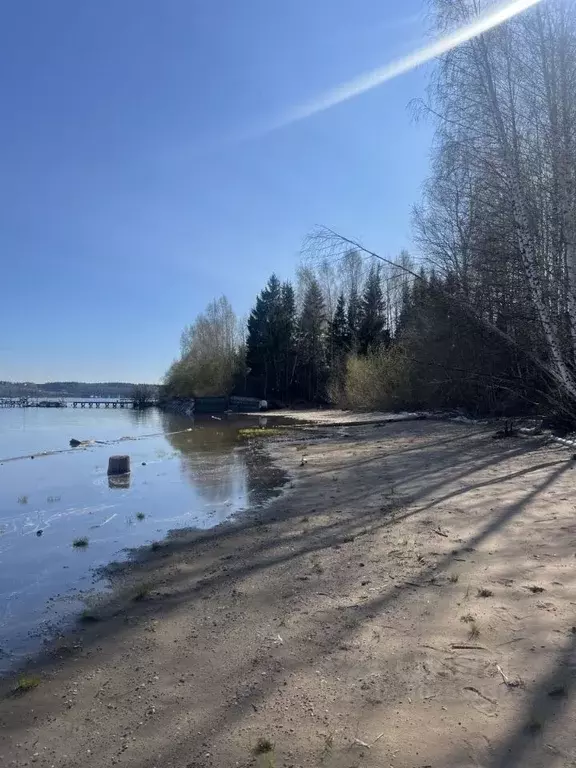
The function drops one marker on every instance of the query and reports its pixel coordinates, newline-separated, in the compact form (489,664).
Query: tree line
(297,338)
(485,318)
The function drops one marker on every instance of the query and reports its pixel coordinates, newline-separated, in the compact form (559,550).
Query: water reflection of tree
(143,417)
(264,479)
(209,456)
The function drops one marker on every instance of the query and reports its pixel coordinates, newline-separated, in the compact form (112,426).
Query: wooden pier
(28,402)
(102,403)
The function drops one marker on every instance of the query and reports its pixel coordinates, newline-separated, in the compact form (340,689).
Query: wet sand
(336,417)
(408,601)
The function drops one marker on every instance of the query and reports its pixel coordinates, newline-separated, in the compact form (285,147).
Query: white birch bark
(507,100)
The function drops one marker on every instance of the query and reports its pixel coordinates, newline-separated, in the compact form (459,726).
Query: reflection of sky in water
(192,478)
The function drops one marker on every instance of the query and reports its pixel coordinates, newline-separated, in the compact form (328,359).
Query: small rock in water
(39,532)
(143,463)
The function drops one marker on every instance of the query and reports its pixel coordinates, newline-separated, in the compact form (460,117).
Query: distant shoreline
(66,389)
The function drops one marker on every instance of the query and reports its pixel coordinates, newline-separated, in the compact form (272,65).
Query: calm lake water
(185,473)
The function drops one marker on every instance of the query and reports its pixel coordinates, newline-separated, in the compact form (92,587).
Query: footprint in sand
(480,702)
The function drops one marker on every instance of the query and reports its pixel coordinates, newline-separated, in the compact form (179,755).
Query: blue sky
(137,183)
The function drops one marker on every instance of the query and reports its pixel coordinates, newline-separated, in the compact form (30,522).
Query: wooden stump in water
(119,465)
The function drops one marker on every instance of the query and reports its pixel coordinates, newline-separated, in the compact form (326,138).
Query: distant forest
(483,317)
(66,389)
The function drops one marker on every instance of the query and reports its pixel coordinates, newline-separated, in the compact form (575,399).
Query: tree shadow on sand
(278,545)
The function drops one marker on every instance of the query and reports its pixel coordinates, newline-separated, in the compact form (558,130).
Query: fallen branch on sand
(361,743)
(369,746)
(479,693)
(466,647)
(506,679)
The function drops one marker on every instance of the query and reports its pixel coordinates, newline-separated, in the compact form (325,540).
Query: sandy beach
(408,601)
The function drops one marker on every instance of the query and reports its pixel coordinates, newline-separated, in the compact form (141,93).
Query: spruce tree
(372,333)
(339,334)
(287,335)
(311,344)
(263,338)
(353,319)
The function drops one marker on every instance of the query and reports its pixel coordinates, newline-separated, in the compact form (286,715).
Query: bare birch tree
(211,349)
(503,192)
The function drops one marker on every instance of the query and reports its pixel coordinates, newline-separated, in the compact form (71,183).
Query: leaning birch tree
(503,191)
